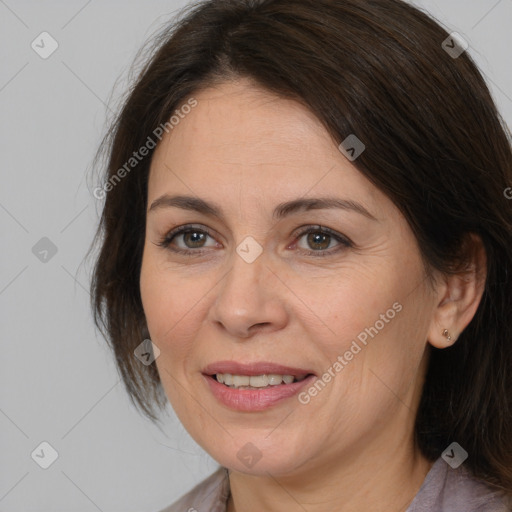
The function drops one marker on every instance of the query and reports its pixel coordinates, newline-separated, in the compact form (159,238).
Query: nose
(250,299)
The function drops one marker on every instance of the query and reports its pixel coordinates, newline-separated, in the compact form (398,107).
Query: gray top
(443,490)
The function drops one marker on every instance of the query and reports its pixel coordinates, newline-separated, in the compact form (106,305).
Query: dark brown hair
(435,145)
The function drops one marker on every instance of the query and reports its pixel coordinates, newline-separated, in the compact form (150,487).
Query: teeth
(241,380)
(274,380)
(255,381)
(259,381)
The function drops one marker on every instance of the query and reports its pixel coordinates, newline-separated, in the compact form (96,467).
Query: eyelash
(167,240)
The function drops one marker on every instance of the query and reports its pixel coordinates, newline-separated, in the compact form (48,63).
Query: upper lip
(259,368)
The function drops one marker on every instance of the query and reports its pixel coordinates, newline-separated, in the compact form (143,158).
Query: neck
(363,481)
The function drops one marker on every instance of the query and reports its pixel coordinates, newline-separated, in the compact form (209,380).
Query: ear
(459,296)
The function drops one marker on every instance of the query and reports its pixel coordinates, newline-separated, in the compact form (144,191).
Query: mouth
(263,381)
(254,387)
(254,375)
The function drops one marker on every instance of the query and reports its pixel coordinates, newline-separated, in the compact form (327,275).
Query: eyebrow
(281,210)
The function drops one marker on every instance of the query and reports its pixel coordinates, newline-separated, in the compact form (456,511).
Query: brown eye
(319,239)
(193,238)
(190,240)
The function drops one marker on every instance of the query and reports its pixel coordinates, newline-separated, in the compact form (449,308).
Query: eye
(320,238)
(191,236)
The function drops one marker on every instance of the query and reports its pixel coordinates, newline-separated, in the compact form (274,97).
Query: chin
(261,468)
(251,458)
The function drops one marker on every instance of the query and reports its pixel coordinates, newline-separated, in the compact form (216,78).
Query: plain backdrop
(58,382)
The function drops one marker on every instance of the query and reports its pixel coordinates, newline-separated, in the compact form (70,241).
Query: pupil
(195,235)
(315,238)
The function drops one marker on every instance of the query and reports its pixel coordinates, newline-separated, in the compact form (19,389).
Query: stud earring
(446,334)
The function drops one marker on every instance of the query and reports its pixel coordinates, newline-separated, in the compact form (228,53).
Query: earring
(446,334)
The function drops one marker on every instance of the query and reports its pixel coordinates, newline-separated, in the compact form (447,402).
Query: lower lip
(254,399)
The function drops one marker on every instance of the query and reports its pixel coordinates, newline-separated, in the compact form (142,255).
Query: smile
(254,387)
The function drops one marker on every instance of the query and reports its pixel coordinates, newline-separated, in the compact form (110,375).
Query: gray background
(58,382)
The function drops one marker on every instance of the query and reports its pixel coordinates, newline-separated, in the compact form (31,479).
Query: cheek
(168,309)
(156,299)
(168,298)
(342,306)
(175,304)
(377,322)
(383,374)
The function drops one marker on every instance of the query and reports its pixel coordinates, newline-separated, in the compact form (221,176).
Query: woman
(306,248)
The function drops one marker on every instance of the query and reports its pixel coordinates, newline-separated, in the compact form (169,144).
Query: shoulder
(209,495)
(456,490)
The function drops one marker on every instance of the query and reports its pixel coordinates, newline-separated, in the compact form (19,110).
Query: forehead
(241,136)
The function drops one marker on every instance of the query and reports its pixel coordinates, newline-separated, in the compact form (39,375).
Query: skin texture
(351,447)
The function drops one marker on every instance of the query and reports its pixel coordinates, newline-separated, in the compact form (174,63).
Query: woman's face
(347,304)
